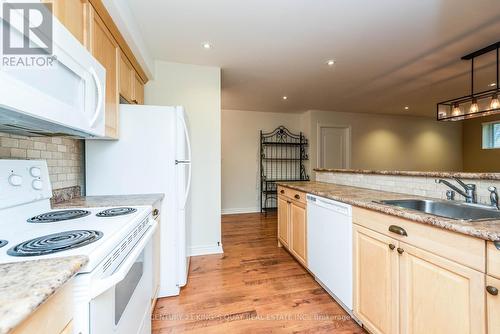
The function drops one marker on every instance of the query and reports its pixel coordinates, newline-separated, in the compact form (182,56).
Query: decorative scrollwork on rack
(282,158)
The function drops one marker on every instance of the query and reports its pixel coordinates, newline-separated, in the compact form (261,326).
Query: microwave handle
(107,283)
(99,97)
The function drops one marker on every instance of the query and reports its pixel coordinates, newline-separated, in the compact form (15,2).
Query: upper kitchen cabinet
(74,15)
(131,85)
(106,50)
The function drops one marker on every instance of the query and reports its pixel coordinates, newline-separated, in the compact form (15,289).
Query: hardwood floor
(255,287)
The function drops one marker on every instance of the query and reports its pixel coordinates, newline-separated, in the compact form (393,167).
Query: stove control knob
(37,184)
(35,172)
(15,180)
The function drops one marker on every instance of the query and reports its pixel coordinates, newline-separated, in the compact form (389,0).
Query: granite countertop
(462,175)
(118,200)
(362,197)
(24,286)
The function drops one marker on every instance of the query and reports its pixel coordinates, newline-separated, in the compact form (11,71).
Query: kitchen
(288,167)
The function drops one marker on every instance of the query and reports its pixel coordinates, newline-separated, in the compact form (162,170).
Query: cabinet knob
(400,251)
(391,246)
(492,290)
(282,191)
(398,230)
(297,196)
(156,212)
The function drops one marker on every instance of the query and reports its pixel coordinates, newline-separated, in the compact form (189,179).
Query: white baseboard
(205,250)
(233,211)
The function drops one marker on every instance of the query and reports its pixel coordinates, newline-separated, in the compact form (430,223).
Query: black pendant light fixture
(479,104)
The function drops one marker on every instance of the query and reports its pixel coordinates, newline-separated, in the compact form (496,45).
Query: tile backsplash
(411,185)
(64,156)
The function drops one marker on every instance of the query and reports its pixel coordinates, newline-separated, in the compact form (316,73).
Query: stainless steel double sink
(447,209)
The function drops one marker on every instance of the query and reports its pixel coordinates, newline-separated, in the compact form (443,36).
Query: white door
(334,146)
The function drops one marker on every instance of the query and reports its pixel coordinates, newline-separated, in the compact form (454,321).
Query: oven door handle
(107,283)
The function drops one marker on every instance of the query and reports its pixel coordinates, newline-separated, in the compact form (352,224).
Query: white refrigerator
(153,155)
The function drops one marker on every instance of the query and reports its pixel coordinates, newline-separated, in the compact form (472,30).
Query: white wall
(197,88)
(240,155)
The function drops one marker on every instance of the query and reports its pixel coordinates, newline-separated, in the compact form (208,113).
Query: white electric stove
(113,290)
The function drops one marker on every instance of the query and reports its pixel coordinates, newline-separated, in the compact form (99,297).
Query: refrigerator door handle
(186,134)
(182,162)
(188,187)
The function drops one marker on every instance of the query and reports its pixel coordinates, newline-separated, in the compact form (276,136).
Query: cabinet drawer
(292,194)
(463,249)
(493,259)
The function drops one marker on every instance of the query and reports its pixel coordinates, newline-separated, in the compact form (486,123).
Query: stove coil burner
(116,212)
(57,216)
(3,243)
(56,242)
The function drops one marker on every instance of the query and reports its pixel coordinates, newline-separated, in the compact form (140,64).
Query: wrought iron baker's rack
(282,158)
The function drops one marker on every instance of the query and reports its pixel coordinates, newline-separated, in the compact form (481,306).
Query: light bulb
(474,107)
(456,110)
(495,103)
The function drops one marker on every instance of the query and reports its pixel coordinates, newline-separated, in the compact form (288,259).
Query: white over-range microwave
(49,83)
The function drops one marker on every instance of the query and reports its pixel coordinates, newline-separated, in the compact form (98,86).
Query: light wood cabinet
(376,272)
(493,305)
(127,77)
(439,295)
(105,49)
(74,15)
(292,223)
(298,231)
(404,283)
(283,221)
(138,90)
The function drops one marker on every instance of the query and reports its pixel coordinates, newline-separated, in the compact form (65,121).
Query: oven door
(125,307)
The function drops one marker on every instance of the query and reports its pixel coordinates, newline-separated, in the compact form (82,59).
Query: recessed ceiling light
(493,84)
(206,45)
(406,107)
(285,97)
(330,62)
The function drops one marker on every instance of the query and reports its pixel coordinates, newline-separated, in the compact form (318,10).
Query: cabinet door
(105,49)
(283,221)
(127,77)
(298,231)
(138,90)
(376,264)
(493,305)
(438,295)
(74,15)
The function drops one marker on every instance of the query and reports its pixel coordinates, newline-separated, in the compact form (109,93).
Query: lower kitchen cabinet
(400,288)
(493,304)
(298,231)
(439,295)
(375,265)
(292,223)
(283,221)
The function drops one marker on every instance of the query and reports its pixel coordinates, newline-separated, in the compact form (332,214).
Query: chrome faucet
(469,191)
(494,197)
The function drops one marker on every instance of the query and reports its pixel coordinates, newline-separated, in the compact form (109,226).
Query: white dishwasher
(329,247)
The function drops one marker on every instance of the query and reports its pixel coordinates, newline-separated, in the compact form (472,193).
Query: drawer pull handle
(282,191)
(492,290)
(398,230)
(400,251)
(391,246)
(497,244)
(297,196)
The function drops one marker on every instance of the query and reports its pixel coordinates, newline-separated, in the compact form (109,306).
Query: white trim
(348,129)
(233,211)
(205,250)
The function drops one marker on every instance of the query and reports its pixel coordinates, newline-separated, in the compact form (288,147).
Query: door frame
(348,130)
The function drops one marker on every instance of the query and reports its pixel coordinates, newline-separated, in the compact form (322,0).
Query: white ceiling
(389,53)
